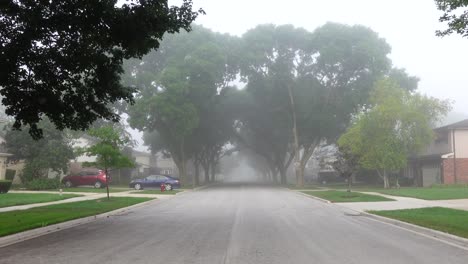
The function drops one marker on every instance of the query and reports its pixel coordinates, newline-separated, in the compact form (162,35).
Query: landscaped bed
(345,197)
(13,199)
(156,192)
(443,219)
(17,221)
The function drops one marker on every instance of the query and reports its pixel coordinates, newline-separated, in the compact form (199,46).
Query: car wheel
(98,185)
(168,187)
(138,187)
(68,184)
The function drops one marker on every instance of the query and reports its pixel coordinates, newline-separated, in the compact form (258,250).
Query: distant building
(445,161)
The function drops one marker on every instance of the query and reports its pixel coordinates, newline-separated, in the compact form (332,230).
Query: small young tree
(346,164)
(108,151)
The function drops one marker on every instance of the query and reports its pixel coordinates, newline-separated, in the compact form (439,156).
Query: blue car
(155,181)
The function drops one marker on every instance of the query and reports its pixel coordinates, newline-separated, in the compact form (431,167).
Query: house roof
(458,125)
(141,153)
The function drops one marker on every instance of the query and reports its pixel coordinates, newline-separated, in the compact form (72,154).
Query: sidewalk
(85,197)
(404,203)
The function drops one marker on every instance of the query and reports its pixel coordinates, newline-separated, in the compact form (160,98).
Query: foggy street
(234,223)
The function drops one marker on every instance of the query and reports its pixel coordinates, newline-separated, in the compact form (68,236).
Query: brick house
(445,161)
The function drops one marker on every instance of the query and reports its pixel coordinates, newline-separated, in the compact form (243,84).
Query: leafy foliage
(107,149)
(53,151)
(63,59)
(455,15)
(398,126)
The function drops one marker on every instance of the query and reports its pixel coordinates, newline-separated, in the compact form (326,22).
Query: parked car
(96,178)
(155,181)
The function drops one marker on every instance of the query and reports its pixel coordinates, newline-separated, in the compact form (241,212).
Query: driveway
(235,223)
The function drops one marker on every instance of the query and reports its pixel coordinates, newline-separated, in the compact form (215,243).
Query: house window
(442,138)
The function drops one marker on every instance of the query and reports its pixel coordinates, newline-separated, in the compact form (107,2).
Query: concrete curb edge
(443,237)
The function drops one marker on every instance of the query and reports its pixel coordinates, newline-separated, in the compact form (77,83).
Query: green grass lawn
(443,219)
(156,192)
(345,197)
(17,221)
(432,193)
(12,199)
(306,187)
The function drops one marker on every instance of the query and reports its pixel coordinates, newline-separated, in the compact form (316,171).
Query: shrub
(10,174)
(5,186)
(43,184)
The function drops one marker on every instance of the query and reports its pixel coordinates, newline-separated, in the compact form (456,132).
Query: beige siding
(461,144)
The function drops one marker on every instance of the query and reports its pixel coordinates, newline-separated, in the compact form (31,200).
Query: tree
(108,151)
(398,126)
(63,59)
(346,164)
(171,113)
(455,15)
(52,152)
(306,86)
(186,81)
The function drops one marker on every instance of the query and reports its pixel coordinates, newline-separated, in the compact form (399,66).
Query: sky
(408,26)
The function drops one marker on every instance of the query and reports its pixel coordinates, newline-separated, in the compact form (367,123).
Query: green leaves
(398,126)
(107,149)
(455,15)
(63,59)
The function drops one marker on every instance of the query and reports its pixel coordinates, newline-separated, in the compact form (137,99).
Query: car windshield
(216,131)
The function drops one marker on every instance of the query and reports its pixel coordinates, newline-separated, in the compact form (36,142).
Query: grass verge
(95,190)
(433,193)
(156,192)
(346,197)
(22,220)
(306,187)
(443,219)
(13,199)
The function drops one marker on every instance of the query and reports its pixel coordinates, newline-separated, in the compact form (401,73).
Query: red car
(96,178)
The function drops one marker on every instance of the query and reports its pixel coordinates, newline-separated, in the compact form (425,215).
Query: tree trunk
(107,183)
(213,172)
(386,182)
(350,181)
(297,158)
(274,175)
(183,171)
(196,177)
(206,171)
(283,176)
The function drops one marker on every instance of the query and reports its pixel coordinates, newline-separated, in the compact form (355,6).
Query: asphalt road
(234,224)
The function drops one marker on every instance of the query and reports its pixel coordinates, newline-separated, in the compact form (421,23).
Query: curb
(311,196)
(440,236)
(37,232)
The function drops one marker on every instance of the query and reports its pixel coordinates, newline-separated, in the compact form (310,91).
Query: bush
(5,186)
(10,174)
(43,184)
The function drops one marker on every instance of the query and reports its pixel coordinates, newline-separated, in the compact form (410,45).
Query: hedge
(5,186)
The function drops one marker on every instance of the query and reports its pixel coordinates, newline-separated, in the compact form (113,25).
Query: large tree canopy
(63,59)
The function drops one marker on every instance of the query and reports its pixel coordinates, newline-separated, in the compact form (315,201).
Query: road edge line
(37,232)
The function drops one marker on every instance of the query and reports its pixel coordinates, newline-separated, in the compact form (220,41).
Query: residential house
(166,165)
(445,161)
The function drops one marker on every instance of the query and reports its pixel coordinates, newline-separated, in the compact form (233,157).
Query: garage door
(430,175)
